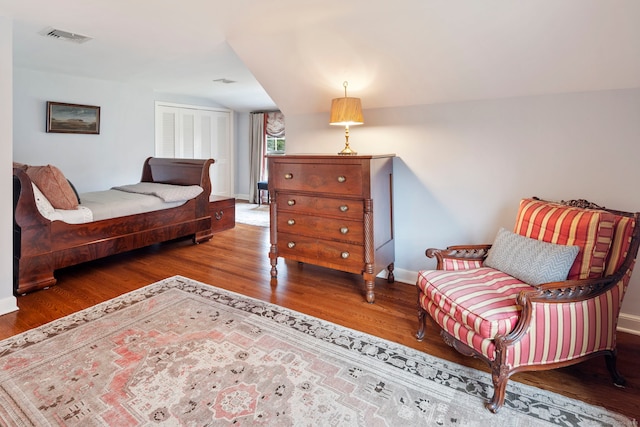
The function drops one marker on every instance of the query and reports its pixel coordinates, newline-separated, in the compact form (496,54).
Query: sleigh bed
(41,245)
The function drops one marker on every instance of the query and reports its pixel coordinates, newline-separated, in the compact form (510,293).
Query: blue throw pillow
(530,260)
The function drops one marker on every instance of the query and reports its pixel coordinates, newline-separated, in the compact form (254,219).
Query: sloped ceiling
(294,55)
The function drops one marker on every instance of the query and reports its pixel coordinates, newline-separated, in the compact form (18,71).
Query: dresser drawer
(342,208)
(348,256)
(324,228)
(342,254)
(343,179)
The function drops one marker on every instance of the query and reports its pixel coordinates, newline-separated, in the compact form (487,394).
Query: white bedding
(167,192)
(114,203)
(99,205)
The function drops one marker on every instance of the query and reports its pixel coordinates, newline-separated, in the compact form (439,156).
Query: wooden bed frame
(41,246)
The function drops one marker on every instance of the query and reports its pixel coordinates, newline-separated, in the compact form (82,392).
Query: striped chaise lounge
(545,296)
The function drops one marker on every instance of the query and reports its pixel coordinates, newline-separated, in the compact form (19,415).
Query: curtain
(262,124)
(257,150)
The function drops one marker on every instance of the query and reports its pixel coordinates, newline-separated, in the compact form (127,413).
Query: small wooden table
(223,213)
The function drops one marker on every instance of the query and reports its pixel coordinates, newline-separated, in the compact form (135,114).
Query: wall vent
(64,35)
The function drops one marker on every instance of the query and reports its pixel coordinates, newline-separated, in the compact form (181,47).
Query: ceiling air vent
(64,35)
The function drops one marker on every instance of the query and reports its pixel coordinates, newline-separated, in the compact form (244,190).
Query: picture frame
(72,118)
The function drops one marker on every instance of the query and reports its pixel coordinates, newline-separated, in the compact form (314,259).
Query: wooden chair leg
(422,320)
(611,359)
(500,378)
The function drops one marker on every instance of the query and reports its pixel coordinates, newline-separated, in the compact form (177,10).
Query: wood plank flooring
(237,260)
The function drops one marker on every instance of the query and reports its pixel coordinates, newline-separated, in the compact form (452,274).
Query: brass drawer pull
(291,202)
(219,215)
(344,208)
(291,222)
(291,245)
(344,255)
(344,230)
(288,176)
(341,179)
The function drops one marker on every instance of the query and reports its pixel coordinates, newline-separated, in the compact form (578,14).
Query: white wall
(91,162)
(7,300)
(461,168)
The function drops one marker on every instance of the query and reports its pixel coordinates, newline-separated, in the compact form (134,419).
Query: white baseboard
(242,196)
(628,323)
(8,304)
(400,275)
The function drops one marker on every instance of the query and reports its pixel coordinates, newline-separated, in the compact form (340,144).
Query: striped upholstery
(459,330)
(475,304)
(460,264)
(623,231)
(558,332)
(591,230)
(566,331)
(483,299)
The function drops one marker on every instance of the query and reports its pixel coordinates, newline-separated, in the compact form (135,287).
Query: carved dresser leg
(390,277)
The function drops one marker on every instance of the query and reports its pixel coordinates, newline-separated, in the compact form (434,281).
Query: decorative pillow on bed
(51,181)
(530,260)
(22,166)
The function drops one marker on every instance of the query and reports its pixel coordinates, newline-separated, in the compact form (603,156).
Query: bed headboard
(177,171)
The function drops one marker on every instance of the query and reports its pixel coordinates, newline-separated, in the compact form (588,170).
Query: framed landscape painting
(72,118)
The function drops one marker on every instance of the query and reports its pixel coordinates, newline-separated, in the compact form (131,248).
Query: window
(275,145)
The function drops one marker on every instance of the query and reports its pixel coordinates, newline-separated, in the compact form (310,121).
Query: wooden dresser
(333,211)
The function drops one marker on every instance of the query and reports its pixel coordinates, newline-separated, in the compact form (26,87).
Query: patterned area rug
(252,214)
(179,352)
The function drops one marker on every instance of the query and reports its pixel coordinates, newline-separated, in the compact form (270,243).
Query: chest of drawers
(333,211)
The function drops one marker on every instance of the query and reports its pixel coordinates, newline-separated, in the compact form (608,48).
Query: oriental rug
(183,353)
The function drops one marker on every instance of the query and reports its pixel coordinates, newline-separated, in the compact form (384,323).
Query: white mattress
(99,205)
(114,203)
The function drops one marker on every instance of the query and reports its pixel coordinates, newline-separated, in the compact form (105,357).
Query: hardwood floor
(237,260)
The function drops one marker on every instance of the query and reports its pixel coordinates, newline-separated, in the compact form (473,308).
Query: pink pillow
(55,187)
(19,165)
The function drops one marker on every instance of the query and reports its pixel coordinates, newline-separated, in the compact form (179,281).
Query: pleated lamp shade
(346,111)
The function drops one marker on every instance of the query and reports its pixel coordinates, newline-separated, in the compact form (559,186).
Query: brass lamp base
(347,151)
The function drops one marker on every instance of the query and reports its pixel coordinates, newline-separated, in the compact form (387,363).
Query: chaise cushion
(51,181)
(590,229)
(530,260)
(483,299)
